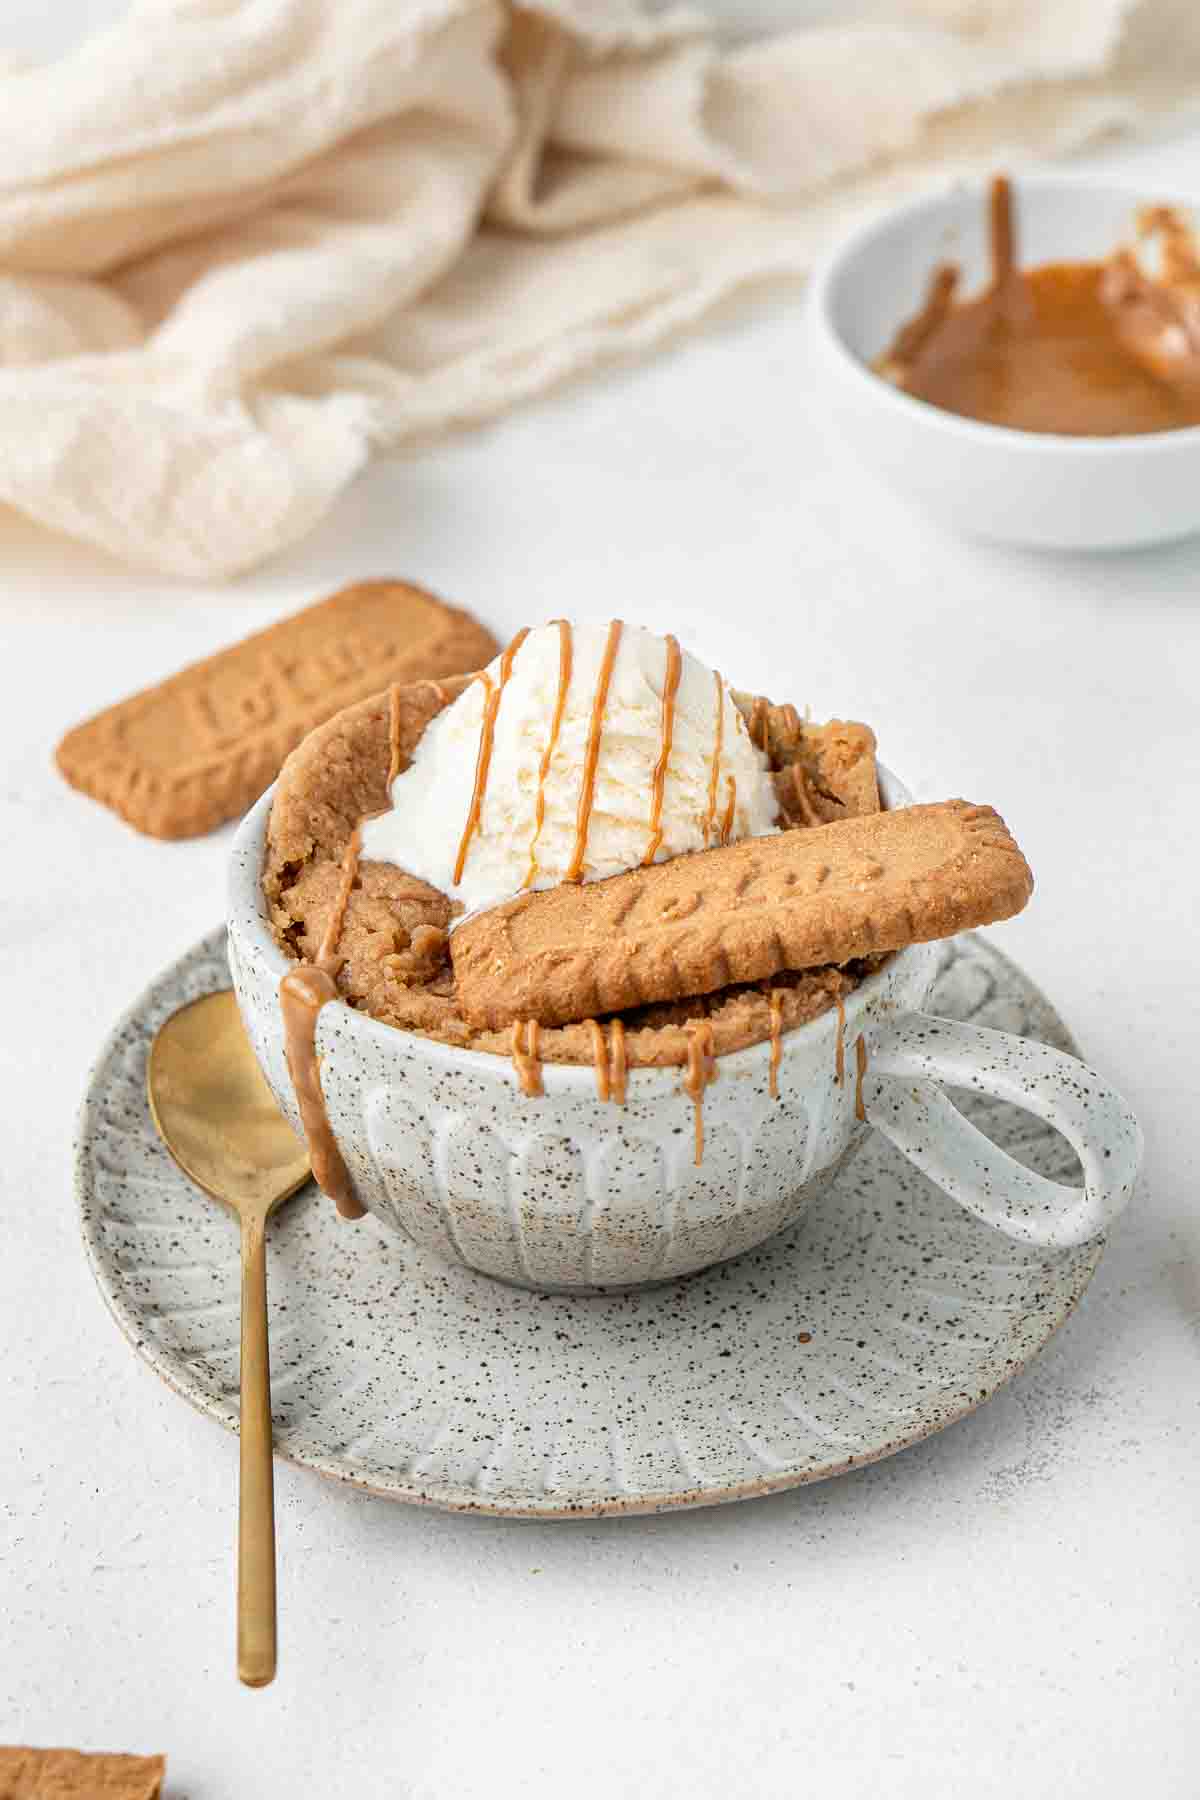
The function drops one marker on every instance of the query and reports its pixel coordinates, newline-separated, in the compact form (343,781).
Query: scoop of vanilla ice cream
(717,787)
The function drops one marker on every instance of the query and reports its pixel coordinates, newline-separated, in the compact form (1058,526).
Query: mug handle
(911,1055)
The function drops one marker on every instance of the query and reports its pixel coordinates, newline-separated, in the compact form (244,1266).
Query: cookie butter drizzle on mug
(526,1060)
(564,682)
(670,689)
(701,1070)
(302,994)
(617,1066)
(587,791)
(305,990)
(776,1004)
(839,1055)
(609,1060)
(494,692)
(860,1063)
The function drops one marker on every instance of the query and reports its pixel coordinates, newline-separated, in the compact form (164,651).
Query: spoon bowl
(215,1112)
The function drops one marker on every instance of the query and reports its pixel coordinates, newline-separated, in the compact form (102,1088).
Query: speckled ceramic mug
(566,1192)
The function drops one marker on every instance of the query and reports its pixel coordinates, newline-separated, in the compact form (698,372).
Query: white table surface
(1009,1608)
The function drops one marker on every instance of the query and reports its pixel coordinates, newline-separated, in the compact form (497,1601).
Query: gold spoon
(218,1118)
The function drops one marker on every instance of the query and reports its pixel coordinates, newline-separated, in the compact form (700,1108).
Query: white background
(1008,1609)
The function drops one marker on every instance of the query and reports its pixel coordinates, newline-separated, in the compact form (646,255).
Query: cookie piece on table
(78,1775)
(184,756)
(795,900)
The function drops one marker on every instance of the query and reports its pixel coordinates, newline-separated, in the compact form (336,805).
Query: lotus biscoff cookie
(739,913)
(27,1774)
(184,756)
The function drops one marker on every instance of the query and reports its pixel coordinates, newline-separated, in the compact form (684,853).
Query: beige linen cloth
(246,243)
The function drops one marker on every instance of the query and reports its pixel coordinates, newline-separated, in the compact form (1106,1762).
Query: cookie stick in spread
(587,791)
(564,682)
(494,692)
(671,674)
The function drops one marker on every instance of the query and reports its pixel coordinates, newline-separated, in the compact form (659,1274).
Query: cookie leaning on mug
(181,758)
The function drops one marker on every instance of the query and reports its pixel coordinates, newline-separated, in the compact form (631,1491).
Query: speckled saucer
(886,1314)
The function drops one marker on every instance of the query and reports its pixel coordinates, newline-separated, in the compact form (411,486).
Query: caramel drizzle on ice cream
(564,682)
(670,689)
(302,994)
(701,1070)
(494,691)
(715,767)
(526,1061)
(776,1003)
(730,807)
(587,791)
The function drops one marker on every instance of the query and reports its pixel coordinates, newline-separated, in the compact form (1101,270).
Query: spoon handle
(256,1500)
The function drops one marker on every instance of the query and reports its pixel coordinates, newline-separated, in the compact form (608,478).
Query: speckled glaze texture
(565,1192)
(886,1314)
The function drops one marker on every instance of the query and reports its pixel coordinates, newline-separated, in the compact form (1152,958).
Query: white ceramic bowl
(988,480)
(568,1192)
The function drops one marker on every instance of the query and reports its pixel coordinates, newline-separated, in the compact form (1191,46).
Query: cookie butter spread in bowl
(1023,362)
(589,971)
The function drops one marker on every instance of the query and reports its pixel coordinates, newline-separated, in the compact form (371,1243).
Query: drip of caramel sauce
(715,768)
(860,1064)
(302,994)
(564,682)
(701,1070)
(526,1061)
(776,1002)
(609,1060)
(1083,349)
(483,760)
(758,721)
(599,1058)
(587,791)
(618,1068)
(839,1055)
(670,689)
